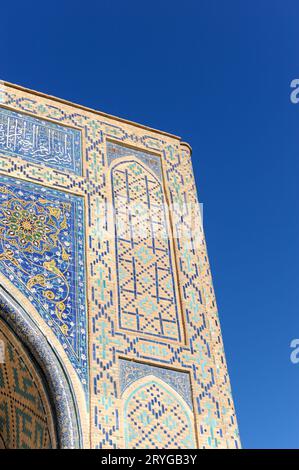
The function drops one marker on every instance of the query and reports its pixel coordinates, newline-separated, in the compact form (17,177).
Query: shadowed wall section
(155,417)
(148,299)
(26,417)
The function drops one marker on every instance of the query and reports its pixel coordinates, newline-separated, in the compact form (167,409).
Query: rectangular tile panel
(40,141)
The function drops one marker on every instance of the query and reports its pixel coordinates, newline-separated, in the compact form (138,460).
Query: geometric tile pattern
(155,419)
(26,420)
(146,287)
(40,141)
(42,253)
(202,355)
(131,371)
(153,162)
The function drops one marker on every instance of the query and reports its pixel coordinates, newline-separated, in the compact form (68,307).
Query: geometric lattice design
(131,371)
(40,141)
(42,253)
(25,413)
(116,328)
(154,417)
(146,287)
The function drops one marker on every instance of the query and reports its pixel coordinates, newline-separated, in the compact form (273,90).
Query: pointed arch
(58,385)
(2,445)
(27,417)
(148,297)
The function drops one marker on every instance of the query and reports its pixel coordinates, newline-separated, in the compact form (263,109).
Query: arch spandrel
(42,253)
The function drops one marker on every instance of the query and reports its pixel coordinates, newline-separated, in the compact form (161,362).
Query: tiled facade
(123,296)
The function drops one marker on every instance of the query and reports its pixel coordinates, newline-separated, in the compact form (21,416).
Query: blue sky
(218,74)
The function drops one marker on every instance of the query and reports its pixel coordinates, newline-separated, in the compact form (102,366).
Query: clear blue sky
(217,73)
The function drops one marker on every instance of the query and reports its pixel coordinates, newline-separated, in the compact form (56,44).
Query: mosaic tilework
(155,419)
(203,354)
(130,372)
(25,413)
(40,141)
(153,162)
(42,252)
(18,319)
(147,295)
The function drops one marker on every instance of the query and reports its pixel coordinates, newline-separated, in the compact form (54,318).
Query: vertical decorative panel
(156,413)
(147,295)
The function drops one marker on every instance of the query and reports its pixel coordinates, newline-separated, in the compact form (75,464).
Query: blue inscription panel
(40,141)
